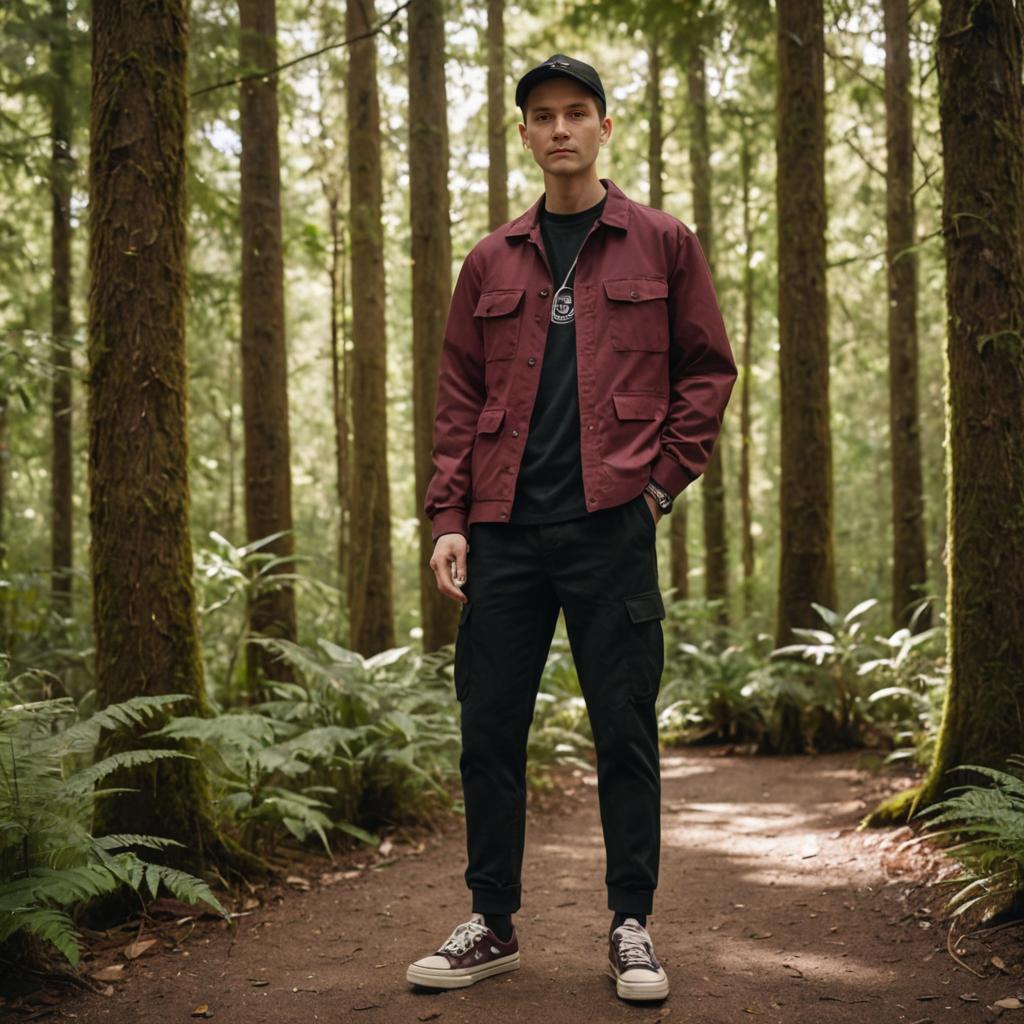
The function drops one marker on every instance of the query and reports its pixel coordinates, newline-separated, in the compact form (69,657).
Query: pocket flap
(638,406)
(490,421)
(644,607)
(636,289)
(498,303)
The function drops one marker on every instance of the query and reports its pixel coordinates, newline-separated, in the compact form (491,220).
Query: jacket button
(515,433)
(531,361)
(634,294)
(543,293)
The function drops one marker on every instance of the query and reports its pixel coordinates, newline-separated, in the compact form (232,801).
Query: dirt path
(770,908)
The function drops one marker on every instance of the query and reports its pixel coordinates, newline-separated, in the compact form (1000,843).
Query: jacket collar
(615,214)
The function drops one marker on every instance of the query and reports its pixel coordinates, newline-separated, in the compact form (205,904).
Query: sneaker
(635,968)
(470,953)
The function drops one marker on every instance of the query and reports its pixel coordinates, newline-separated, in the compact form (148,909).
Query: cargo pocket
(497,310)
(462,652)
(646,611)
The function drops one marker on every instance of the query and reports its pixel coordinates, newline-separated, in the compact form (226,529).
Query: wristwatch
(660,495)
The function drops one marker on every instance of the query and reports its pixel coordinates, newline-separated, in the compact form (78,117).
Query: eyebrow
(581,104)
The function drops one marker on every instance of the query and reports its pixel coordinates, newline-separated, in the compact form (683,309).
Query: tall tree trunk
(807,570)
(370,602)
(231,443)
(655,138)
(980,56)
(431,277)
(497,167)
(339,396)
(143,600)
(268,479)
(806,565)
(716,563)
(61,167)
(746,428)
(679,561)
(909,565)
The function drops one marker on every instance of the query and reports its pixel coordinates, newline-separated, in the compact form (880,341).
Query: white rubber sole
(639,990)
(461,977)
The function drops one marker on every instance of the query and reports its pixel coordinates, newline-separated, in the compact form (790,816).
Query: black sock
(621,915)
(500,924)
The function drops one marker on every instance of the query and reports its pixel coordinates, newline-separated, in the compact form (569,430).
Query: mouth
(562,152)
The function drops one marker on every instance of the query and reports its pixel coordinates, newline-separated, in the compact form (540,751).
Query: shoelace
(635,945)
(463,937)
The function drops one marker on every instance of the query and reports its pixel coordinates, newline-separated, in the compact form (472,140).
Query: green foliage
(49,858)
(987,824)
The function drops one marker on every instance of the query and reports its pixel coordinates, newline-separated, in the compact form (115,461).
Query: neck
(570,195)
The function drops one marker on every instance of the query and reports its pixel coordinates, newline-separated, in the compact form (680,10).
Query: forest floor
(771,907)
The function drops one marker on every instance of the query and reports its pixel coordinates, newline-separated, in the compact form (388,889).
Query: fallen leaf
(260,984)
(761,935)
(297,882)
(999,964)
(251,903)
(1010,1003)
(111,973)
(969,997)
(202,1010)
(385,847)
(429,1016)
(136,949)
(367,1006)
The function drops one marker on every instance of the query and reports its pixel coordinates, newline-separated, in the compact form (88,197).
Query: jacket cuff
(670,476)
(449,520)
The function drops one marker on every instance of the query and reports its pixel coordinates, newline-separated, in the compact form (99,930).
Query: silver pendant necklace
(562,306)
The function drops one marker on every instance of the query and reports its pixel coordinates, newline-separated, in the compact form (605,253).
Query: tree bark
(370,601)
(806,557)
(497,166)
(61,168)
(909,561)
(746,428)
(143,601)
(980,57)
(268,482)
(806,569)
(431,278)
(716,562)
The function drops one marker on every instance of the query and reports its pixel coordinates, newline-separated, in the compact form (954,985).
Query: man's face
(563,128)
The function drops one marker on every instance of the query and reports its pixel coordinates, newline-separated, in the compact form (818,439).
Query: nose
(561,127)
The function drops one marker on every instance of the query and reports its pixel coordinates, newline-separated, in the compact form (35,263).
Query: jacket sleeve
(702,370)
(461,394)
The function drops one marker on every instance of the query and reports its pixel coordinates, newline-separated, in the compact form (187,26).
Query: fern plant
(49,859)
(986,823)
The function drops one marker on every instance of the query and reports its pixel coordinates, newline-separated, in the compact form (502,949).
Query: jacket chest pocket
(499,314)
(637,309)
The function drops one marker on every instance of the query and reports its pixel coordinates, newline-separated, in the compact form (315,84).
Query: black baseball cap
(560,66)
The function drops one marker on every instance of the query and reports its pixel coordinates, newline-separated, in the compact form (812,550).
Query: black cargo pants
(602,570)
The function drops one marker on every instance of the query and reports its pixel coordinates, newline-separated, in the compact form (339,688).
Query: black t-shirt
(549,488)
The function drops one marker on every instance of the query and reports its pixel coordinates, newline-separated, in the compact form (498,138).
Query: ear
(522,135)
(606,130)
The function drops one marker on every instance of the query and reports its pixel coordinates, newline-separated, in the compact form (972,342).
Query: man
(583,379)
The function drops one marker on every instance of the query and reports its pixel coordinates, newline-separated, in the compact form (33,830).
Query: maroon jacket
(654,365)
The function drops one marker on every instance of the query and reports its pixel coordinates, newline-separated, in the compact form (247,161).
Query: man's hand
(449,564)
(653,506)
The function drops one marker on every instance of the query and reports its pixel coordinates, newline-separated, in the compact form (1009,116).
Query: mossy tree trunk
(497,166)
(143,601)
(909,563)
(369,582)
(431,277)
(268,481)
(980,56)
(716,564)
(746,429)
(61,169)
(806,561)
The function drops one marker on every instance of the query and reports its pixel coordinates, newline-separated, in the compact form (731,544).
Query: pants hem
(625,900)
